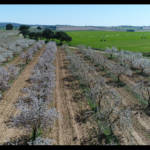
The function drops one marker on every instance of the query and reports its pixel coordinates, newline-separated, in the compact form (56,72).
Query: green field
(122,40)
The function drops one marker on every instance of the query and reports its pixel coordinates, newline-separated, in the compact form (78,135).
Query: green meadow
(130,41)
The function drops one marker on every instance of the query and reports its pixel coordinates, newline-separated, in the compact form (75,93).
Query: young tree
(24,45)
(143,64)
(13,71)
(34,116)
(99,92)
(26,56)
(109,117)
(4,79)
(143,90)
(118,70)
(111,51)
(17,51)
(7,55)
(2,59)
(44,91)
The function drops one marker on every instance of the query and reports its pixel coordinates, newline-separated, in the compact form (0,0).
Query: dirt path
(71,129)
(7,108)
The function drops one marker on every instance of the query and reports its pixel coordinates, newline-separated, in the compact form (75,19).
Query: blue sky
(78,15)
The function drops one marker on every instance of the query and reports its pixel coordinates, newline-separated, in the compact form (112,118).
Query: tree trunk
(118,78)
(131,67)
(34,133)
(99,102)
(111,130)
(111,56)
(103,67)
(142,71)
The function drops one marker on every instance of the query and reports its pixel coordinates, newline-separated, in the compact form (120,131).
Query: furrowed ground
(10,96)
(73,127)
(141,127)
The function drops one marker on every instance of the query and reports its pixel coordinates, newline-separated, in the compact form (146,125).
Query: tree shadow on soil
(78,97)
(81,117)
(66,63)
(115,83)
(111,83)
(69,79)
(100,139)
(143,74)
(64,67)
(78,53)
(140,110)
(120,84)
(22,140)
(138,72)
(147,112)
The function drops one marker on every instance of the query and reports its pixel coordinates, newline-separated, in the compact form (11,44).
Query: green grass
(38,133)
(122,40)
(2,28)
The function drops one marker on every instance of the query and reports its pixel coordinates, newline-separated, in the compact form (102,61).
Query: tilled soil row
(7,108)
(71,129)
(140,134)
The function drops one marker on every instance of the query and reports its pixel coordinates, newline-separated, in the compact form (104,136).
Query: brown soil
(7,108)
(72,128)
(140,120)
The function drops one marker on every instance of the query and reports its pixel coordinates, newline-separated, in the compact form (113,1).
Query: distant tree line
(47,33)
(3,25)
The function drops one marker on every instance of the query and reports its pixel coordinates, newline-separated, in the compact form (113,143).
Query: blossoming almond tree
(33,116)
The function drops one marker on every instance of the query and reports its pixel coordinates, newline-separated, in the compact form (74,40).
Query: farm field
(130,41)
(7,108)
(74,81)
(74,127)
(141,128)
